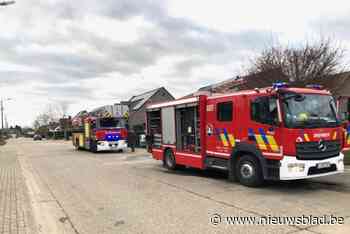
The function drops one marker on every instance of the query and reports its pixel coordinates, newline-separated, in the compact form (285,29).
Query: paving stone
(15,211)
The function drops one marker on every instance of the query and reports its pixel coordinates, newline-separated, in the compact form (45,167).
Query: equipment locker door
(222,127)
(168,125)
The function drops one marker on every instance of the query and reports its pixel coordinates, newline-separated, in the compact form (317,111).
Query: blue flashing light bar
(280,85)
(314,86)
(112,137)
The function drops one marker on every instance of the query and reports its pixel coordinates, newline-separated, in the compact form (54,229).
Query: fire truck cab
(275,133)
(99,134)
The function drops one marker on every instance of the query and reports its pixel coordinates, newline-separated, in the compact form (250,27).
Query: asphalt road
(80,192)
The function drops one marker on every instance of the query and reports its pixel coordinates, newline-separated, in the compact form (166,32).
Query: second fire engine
(99,133)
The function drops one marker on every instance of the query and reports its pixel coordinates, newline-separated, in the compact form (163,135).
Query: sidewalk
(15,211)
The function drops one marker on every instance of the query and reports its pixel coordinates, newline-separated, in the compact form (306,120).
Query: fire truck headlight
(296,167)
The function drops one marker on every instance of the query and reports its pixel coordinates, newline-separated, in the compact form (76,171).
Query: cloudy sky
(95,52)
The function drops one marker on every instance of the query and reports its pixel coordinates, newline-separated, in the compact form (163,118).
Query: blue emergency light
(280,85)
(112,137)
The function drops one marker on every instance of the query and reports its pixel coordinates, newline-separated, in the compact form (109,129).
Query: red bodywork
(276,141)
(102,134)
(343,105)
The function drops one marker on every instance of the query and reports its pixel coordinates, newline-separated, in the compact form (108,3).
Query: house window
(224,111)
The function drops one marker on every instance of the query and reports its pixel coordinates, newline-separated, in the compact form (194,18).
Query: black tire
(169,160)
(249,172)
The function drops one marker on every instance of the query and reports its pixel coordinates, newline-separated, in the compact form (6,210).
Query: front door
(264,128)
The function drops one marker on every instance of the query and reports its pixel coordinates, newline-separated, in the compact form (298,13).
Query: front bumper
(112,145)
(310,167)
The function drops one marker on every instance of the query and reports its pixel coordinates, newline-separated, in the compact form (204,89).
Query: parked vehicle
(37,137)
(99,133)
(275,133)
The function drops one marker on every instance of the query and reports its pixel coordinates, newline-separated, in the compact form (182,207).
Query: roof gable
(141,99)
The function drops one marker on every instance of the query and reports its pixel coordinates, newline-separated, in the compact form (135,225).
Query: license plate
(323,165)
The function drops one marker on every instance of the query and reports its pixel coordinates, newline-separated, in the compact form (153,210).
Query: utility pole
(2,114)
(2,111)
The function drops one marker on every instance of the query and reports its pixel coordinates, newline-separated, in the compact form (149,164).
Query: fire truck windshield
(110,123)
(309,111)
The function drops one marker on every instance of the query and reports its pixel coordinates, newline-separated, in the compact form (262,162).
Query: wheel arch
(244,148)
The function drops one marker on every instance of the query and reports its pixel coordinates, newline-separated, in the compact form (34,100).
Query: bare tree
(42,120)
(56,111)
(300,65)
(63,106)
(52,113)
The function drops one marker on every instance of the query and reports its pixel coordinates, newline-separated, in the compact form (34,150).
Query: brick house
(137,107)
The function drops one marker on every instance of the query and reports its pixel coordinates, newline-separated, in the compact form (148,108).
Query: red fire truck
(104,133)
(275,133)
(344,115)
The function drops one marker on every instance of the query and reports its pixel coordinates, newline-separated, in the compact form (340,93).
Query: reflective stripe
(217,130)
(335,136)
(272,143)
(226,136)
(232,140)
(263,135)
(217,153)
(223,139)
(251,133)
(260,142)
(188,155)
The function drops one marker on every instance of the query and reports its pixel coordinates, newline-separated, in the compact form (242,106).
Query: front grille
(272,169)
(315,170)
(313,151)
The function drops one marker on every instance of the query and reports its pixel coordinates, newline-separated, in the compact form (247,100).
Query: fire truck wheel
(249,171)
(169,160)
